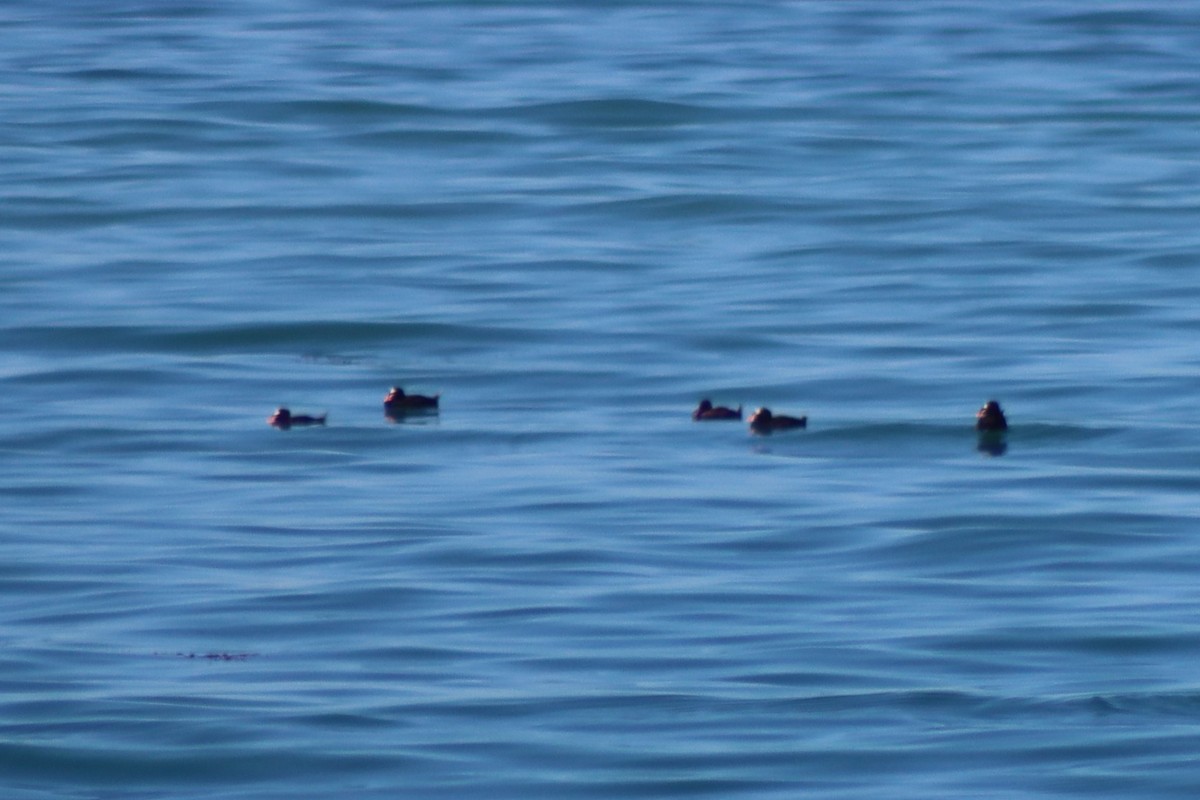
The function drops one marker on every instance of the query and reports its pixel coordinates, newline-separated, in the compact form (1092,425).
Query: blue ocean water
(574,220)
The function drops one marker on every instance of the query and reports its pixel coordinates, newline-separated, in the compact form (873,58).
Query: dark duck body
(763,421)
(397,402)
(707,411)
(284,419)
(991,418)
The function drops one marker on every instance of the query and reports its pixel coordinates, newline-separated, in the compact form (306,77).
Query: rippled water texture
(574,221)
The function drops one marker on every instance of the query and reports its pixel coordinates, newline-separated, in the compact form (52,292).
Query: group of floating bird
(397,405)
(761,421)
(989,419)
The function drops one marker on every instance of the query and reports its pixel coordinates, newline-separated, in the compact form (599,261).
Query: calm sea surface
(574,220)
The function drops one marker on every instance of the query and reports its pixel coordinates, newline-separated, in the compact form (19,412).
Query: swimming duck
(707,411)
(284,419)
(397,402)
(763,421)
(990,418)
